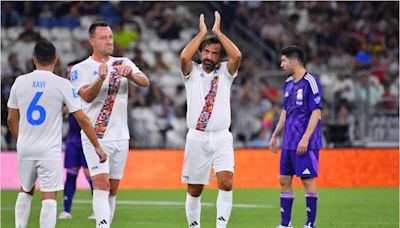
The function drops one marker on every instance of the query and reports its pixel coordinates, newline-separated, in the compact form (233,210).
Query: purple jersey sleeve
(315,96)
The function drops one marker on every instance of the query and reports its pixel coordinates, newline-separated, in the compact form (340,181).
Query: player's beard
(288,72)
(107,51)
(209,64)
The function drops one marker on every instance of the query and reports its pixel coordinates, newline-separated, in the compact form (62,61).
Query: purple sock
(90,184)
(69,189)
(286,208)
(311,202)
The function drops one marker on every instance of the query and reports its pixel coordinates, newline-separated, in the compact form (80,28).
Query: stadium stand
(352,47)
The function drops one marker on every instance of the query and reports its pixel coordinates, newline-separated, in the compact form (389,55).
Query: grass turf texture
(355,208)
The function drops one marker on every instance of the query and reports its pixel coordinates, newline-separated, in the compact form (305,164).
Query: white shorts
(50,175)
(117,154)
(204,150)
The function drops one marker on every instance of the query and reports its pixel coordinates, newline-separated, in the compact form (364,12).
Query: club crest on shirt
(95,73)
(74,75)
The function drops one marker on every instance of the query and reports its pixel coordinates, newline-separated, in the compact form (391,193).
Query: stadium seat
(45,33)
(80,34)
(14,32)
(59,33)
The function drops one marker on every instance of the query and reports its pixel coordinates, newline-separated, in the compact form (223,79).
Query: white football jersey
(197,84)
(40,97)
(108,111)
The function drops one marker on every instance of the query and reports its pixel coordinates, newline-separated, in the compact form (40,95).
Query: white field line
(173,203)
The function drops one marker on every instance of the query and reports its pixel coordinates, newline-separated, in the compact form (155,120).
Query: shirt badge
(74,75)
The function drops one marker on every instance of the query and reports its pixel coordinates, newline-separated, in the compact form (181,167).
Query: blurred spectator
(367,89)
(71,20)
(345,118)
(245,122)
(268,92)
(129,21)
(180,97)
(316,66)
(9,16)
(271,32)
(165,114)
(159,64)
(169,28)
(343,89)
(340,60)
(12,69)
(46,18)
(154,17)
(261,139)
(139,61)
(124,36)
(24,49)
(388,100)
(29,28)
(246,70)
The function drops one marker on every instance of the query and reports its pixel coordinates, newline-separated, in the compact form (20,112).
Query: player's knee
(101,182)
(195,190)
(309,184)
(284,182)
(102,186)
(226,184)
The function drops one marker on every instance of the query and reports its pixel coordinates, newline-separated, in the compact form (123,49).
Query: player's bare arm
(232,50)
(89,92)
(278,129)
(191,48)
(312,124)
(86,126)
(12,121)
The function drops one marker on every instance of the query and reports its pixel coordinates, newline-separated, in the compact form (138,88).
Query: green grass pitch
(253,208)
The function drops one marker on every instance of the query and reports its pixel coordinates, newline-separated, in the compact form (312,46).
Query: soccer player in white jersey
(102,82)
(35,119)
(209,142)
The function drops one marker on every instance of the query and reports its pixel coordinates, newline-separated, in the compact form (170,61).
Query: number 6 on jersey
(33,106)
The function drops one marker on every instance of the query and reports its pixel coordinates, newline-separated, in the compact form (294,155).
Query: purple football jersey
(300,99)
(74,133)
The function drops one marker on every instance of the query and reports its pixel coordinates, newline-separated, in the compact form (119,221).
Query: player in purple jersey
(74,159)
(301,118)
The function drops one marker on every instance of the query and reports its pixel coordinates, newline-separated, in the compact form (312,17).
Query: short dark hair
(45,52)
(94,25)
(212,39)
(296,52)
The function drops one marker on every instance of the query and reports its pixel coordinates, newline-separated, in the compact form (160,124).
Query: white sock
(48,214)
(101,208)
(22,209)
(111,201)
(193,209)
(224,208)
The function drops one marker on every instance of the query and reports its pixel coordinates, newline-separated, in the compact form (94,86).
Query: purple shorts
(305,165)
(74,156)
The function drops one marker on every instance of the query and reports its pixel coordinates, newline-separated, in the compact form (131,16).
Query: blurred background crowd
(352,47)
